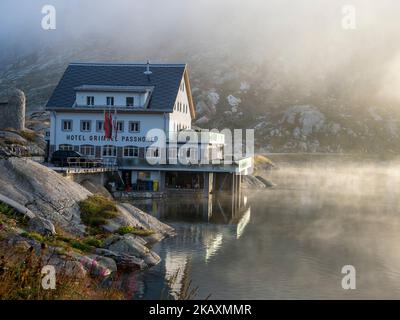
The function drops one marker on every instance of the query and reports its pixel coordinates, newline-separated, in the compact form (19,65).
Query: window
(134,126)
(87,150)
(152,152)
(129,101)
(100,125)
(110,101)
(90,101)
(131,152)
(120,126)
(85,125)
(66,147)
(66,125)
(109,151)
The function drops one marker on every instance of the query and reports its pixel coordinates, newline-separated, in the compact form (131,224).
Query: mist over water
(321,216)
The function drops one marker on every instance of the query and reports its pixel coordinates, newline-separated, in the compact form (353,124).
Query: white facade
(76,136)
(100,98)
(180,118)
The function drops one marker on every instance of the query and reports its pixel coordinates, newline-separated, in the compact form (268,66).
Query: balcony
(238,166)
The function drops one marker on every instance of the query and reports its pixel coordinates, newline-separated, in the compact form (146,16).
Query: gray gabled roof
(165,80)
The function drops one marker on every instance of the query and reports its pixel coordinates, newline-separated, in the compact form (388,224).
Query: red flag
(108,125)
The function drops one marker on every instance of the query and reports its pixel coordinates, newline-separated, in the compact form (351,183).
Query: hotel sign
(101,138)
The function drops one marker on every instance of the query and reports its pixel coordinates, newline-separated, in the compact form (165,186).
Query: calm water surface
(291,242)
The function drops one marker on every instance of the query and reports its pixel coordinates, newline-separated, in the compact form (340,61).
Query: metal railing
(91,163)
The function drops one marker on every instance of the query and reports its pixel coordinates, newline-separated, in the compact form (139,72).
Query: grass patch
(93,242)
(21,278)
(96,210)
(35,236)
(80,244)
(136,231)
(10,213)
(6,209)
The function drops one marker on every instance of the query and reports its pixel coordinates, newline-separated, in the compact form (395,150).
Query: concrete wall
(96,178)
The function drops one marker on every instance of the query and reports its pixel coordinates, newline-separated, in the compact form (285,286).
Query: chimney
(148,72)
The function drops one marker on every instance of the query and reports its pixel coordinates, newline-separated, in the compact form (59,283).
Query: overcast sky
(306,34)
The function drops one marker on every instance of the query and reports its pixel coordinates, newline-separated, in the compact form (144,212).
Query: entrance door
(127,178)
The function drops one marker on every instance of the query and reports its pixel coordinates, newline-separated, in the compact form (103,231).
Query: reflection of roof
(165,81)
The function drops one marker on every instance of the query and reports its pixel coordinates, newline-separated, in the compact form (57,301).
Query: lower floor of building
(157,180)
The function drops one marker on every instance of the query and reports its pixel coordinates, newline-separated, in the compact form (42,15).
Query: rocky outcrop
(43,191)
(134,217)
(48,200)
(12,112)
(134,247)
(42,226)
(96,189)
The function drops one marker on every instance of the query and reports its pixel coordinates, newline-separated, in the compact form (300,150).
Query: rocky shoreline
(54,202)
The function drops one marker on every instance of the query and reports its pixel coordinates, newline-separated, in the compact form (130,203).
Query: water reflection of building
(220,208)
(204,227)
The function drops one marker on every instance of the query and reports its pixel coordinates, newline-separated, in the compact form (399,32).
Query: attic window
(110,101)
(90,101)
(129,101)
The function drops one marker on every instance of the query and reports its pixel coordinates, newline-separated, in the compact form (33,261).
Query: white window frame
(110,101)
(120,123)
(130,126)
(90,100)
(154,152)
(133,101)
(66,147)
(63,122)
(131,152)
(84,147)
(109,151)
(89,123)
(97,125)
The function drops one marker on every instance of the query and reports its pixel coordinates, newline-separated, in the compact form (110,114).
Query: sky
(306,35)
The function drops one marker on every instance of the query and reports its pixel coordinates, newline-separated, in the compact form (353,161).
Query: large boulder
(46,193)
(129,215)
(123,261)
(12,113)
(132,246)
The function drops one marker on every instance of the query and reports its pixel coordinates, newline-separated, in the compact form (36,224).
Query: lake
(290,241)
